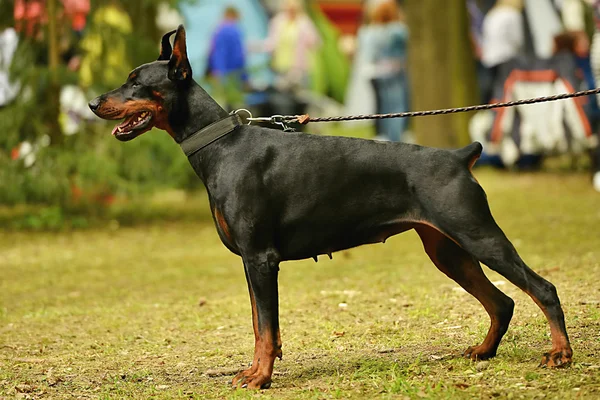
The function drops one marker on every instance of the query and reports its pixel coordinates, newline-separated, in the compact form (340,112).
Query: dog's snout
(94,104)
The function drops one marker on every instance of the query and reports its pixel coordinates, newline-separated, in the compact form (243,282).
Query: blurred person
(545,19)
(476,17)
(522,136)
(595,64)
(292,41)
(572,13)
(503,37)
(575,39)
(9,41)
(574,20)
(575,45)
(595,43)
(360,94)
(227,59)
(388,61)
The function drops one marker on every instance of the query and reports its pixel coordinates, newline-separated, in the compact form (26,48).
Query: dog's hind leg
(461,267)
(472,226)
(261,275)
(498,253)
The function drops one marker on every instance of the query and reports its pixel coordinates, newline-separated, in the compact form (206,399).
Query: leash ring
(246,120)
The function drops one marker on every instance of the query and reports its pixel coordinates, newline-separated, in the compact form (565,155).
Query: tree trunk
(442,69)
(53,110)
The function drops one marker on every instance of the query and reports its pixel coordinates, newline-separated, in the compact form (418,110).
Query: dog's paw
(479,353)
(557,359)
(242,375)
(252,381)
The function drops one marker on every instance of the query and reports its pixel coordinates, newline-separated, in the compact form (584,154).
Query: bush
(91,168)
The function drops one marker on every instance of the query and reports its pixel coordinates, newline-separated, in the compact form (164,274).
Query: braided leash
(305,119)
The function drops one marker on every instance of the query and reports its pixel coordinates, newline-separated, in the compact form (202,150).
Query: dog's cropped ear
(165,47)
(179,65)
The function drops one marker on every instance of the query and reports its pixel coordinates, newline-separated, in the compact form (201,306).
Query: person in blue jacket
(227,60)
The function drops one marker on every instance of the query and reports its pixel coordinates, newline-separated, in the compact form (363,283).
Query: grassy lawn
(162,311)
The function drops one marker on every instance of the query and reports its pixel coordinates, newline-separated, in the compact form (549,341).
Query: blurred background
(59,167)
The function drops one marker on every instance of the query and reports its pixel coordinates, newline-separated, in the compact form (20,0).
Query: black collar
(205,136)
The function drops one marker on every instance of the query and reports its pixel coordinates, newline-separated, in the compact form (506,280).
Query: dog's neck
(195,111)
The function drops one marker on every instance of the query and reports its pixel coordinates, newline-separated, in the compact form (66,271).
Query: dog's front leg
(261,275)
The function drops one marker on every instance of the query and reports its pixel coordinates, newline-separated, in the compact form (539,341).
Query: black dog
(278,197)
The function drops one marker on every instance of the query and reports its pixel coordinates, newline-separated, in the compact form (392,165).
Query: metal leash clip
(279,120)
(275,120)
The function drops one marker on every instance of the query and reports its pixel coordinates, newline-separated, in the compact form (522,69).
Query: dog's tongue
(123,124)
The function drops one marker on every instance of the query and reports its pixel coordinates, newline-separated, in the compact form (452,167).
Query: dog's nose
(94,104)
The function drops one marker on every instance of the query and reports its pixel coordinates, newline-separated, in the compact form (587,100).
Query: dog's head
(151,95)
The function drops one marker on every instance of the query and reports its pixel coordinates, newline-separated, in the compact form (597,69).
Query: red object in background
(76,193)
(107,199)
(345,15)
(31,14)
(101,197)
(14,154)
(77,11)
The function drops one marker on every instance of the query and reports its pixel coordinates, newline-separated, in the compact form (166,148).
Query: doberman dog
(278,196)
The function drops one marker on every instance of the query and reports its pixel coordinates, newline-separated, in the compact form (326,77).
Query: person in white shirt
(503,33)
(503,36)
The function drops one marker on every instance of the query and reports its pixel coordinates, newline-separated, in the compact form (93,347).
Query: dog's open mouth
(133,126)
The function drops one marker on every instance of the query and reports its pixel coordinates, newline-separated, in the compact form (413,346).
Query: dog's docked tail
(470,154)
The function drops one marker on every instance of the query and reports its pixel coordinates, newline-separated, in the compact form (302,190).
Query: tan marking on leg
(223,225)
(561,353)
(469,275)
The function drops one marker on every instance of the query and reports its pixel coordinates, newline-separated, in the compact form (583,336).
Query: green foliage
(45,182)
(27,117)
(332,68)
(89,168)
(51,218)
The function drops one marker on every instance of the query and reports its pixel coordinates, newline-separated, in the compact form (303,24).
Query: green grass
(156,311)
